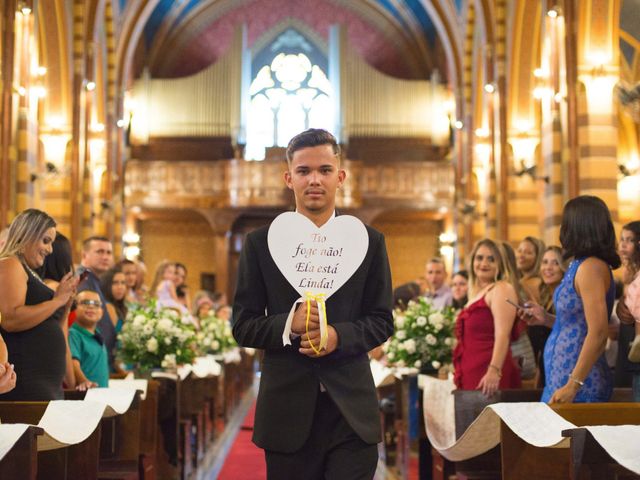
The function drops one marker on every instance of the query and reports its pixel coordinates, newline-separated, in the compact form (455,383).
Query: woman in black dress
(31,311)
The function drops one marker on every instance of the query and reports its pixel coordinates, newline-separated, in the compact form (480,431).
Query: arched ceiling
(397,37)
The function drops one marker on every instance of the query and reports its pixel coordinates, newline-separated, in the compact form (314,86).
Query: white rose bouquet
(215,335)
(424,336)
(153,337)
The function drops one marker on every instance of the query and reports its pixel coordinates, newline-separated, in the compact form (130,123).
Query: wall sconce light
(531,172)
(458,124)
(131,242)
(555,12)
(24,8)
(90,86)
(489,87)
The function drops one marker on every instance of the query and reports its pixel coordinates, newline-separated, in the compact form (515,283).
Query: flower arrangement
(215,335)
(155,337)
(424,336)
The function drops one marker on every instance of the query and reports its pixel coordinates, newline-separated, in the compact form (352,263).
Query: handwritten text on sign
(317,260)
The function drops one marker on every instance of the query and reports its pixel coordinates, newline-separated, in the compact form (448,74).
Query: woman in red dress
(484,328)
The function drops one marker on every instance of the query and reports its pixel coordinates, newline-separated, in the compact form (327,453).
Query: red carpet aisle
(245,461)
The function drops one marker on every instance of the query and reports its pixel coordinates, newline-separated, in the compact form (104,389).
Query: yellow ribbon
(319,299)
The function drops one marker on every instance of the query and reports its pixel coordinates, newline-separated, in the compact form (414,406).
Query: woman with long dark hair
(574,362)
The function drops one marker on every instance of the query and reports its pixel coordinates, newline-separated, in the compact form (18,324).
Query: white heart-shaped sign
(317,260)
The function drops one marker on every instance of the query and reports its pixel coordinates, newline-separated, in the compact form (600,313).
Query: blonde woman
(482,357)
(33,313)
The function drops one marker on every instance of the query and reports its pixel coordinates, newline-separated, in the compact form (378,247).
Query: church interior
(161,125)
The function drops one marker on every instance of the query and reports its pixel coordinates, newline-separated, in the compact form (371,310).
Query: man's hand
(314,336)
(7,378)
(298,325)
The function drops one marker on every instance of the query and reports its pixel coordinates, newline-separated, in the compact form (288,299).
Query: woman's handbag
(522,353)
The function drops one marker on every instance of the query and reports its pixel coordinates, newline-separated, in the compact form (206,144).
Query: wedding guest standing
(31,311)
(113,284)
(574,362)
(436,275)
(528,259)
(460,289)
(484,328)
(629,308)
(552,270)
(317,414)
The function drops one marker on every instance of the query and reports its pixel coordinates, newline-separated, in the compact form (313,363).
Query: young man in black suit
(317,414)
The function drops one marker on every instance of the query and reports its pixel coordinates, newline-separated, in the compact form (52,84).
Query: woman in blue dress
(574,363)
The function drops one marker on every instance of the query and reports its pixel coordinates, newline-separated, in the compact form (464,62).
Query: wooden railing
(242,184)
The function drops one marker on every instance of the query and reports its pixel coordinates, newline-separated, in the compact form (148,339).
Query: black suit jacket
(361,313)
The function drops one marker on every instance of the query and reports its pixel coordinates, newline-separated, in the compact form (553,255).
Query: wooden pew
(22,460)
(149,432)
(523,461)
(468,405)
(588,460)
(74,461)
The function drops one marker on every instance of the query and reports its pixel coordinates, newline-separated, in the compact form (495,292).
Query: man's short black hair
(312,137)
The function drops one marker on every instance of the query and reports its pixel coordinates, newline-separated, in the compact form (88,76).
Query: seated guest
(459,289)
(31,311)
(114,287)
(88,350)
(223,312)
(574,363)
(439,292)
(482,358)
(628,362)
(528,259)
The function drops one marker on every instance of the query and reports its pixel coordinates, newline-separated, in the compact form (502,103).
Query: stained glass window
(289,92)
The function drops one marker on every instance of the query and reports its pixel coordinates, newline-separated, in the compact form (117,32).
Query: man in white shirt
(439,292)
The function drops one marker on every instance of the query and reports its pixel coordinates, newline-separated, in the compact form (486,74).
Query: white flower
(401,334)
(147,329)
(435,364)
(448,341)
(400,321)
(400,363)
(169,361)
(417,364)
(391,355)
(431,339)
(167,341)
(165,324)
(410,345)
(215,344)
(152,345)
(421,321)
(436,318)
(138,320)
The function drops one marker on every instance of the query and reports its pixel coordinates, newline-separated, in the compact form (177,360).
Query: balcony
(156,184)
